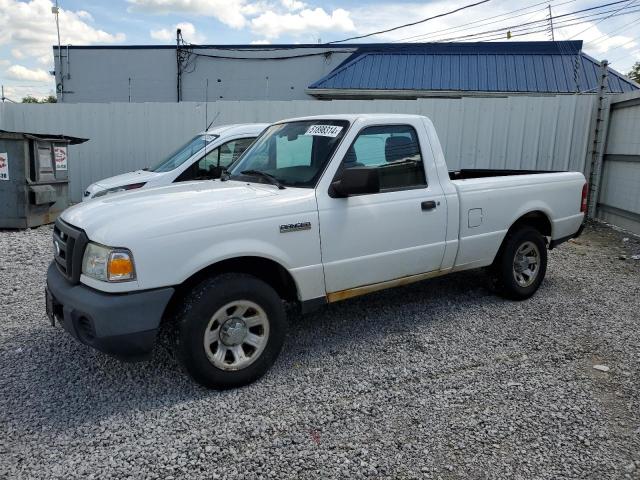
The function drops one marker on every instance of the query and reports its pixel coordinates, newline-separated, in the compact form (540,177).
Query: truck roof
(236,128)
(351,117)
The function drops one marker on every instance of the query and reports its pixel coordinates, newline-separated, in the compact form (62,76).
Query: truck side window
(231,151)
(392,149)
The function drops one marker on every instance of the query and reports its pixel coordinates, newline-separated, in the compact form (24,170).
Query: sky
(28,31)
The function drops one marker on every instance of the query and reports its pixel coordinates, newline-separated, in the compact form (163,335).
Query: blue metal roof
(518,67)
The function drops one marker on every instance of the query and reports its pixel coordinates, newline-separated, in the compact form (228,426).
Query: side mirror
(356,181)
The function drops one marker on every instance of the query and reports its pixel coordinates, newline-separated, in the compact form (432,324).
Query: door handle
(428,205)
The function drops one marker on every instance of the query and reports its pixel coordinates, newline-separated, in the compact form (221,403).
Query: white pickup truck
(317,210)
(201,158)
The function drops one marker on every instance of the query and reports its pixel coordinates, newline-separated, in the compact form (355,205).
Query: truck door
(397,232)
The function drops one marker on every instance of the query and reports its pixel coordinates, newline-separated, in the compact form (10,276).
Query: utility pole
(551,24)
(56,11)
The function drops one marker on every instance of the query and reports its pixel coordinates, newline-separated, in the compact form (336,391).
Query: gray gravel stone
(441,379)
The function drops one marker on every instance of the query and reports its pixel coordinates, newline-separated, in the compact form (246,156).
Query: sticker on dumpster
(4,166)
(60,154)
(324,130)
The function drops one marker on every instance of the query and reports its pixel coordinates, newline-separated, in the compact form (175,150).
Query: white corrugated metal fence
(545,133)
(619,199)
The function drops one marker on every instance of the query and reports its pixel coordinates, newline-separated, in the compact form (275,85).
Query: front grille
(68,248)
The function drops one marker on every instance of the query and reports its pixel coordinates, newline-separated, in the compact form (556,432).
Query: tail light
(583,201)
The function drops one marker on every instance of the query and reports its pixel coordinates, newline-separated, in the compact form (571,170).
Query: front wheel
(521,264)
(230,331)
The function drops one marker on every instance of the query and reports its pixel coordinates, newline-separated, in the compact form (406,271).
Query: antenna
(214,119)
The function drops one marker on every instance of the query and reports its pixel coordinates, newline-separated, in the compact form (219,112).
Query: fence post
(600,125)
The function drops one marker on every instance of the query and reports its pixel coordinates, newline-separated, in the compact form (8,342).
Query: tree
(32,99)
(634,74)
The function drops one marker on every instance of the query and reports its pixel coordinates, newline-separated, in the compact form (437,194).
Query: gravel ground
(436,380)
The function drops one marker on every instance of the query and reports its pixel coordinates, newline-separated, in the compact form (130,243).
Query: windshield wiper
(270,178)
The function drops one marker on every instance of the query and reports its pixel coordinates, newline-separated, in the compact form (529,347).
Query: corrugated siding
(486,72)
(619,199)
(513,132)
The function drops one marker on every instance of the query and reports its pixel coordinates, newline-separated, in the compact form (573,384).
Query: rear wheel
(230,330)
(521,264)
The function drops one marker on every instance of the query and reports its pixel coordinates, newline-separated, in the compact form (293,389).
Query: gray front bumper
(122,325)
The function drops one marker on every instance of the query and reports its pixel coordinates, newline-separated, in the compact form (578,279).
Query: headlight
(123,188)
(108,264)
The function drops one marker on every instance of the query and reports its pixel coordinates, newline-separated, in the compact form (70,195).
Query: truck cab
(317,210)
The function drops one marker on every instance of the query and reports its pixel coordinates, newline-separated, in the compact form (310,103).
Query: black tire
(504,270)
(202,303)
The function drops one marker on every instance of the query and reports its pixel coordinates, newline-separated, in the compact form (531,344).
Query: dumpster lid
(42,136)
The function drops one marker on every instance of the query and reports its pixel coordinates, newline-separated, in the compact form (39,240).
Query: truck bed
(468,173)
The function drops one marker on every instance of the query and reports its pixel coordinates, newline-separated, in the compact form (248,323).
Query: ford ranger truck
(317,210)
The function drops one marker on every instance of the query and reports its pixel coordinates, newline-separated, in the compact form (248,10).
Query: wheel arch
(265,269)
(536,219)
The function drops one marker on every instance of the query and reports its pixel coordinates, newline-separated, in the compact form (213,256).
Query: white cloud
(293,5)
(84,14)
(169,34)
(17,53)
(230,12)
(30,26)
(597,41)
(19,72)
(260,42)
(307,21)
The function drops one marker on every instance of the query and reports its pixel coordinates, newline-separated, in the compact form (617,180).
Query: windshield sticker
(4,166)
(324,130)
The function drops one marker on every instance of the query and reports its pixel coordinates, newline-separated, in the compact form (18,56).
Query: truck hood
(126,179)
(182,207)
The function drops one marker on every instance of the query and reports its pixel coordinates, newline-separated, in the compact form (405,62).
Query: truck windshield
(184,153)
(294,153)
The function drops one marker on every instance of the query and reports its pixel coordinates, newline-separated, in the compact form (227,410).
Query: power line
(491,36)
(621,29)
(602,20)
(483,21)
(624,45)
(412,23)
(544,20)
(285,57)
(534,25)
